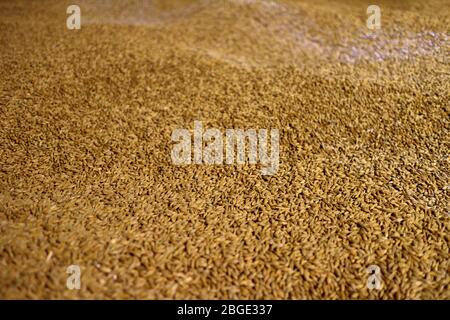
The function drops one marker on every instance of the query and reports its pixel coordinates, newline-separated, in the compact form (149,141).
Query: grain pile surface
(86,176)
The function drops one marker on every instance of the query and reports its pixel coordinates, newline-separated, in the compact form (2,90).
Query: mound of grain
(86,176)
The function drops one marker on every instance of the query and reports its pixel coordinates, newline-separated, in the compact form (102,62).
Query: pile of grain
(86,176)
